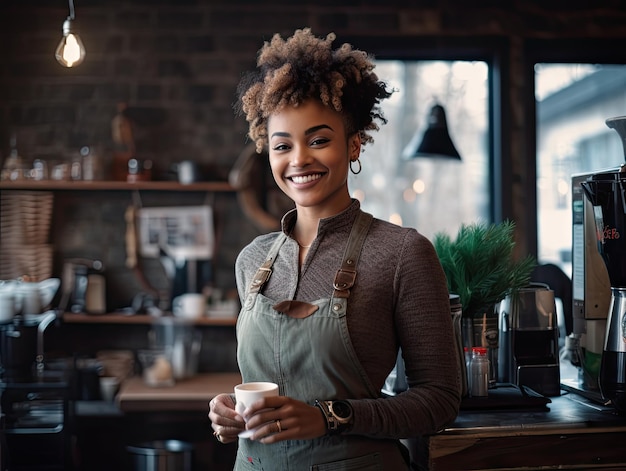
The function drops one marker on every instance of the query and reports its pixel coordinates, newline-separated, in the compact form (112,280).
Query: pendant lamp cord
(71,2)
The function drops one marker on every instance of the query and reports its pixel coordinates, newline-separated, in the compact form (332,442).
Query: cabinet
(35,416)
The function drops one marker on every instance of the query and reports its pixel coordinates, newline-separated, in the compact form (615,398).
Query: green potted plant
(479,264)
(480,268)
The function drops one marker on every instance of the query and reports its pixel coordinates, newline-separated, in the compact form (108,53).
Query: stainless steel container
(162,455)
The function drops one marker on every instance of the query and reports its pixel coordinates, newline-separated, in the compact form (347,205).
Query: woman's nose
(300,156)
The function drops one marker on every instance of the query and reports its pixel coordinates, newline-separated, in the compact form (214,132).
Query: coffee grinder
(607,193)
(529,340)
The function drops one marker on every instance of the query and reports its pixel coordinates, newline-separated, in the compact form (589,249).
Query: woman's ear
(354,146)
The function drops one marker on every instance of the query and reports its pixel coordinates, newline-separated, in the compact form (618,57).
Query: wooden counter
(189,394)
(574,434)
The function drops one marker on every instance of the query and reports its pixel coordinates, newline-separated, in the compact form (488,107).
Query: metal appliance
(84,286)
(35,415)
(34,400)
(183,239)
(529,340)
(591,291)
(598,265)
(607,193)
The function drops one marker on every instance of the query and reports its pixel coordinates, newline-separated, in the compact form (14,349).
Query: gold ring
(218,436)
(280,429)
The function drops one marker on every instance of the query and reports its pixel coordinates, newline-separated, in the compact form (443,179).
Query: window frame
(558,51)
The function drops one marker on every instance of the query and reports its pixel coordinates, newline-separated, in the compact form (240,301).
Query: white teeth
(306,178)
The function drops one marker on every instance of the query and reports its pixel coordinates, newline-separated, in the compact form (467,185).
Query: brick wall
(177,63)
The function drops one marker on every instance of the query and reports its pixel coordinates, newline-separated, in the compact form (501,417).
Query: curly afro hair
(302,67)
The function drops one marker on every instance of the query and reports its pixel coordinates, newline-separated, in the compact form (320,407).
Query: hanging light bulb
(70,52)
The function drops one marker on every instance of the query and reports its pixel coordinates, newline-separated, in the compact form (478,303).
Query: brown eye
(319,141)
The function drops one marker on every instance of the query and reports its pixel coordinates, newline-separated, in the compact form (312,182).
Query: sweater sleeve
(424,329)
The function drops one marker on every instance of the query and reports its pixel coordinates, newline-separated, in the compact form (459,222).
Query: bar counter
(571,433)
(575,433)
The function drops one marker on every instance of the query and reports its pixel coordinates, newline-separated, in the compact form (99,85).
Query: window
(573,100)
(430,194)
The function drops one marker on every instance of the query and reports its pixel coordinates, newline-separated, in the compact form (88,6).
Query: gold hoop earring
(358,161)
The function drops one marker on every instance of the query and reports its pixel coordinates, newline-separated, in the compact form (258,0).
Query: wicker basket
(32,260)
(25,218)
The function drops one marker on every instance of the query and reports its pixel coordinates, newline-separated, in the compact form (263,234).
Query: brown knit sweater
(400,300)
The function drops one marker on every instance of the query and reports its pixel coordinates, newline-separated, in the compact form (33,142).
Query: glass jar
(480,372)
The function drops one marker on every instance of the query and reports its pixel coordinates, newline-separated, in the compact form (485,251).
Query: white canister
(31,303)
(189,305)
(8,307)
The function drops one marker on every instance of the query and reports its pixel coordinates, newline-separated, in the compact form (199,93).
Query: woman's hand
(225,421)
(279,418)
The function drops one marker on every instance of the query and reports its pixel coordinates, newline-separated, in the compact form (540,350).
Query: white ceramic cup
(248,393)
(187,172)
(8,306)
(109,386)
(189,305)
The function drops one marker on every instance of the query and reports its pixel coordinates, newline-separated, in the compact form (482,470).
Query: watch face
(342,409)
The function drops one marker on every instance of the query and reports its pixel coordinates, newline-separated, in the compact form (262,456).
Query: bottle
(13,166)
(480,372)
(89,163)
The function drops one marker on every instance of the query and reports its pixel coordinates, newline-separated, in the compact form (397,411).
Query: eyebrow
(317,128)
(306,133)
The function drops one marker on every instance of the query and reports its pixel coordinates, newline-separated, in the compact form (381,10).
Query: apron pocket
(369,462)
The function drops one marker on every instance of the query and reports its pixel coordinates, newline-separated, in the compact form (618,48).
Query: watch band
(335,423)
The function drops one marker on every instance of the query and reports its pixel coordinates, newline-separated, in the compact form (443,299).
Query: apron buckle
(344,279)
(260,278)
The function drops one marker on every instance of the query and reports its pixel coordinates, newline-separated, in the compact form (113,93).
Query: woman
(328,300)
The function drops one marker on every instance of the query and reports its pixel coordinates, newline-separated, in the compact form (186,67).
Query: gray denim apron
(310,358)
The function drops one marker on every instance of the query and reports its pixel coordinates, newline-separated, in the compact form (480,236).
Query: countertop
(189,394)
(572,433)
(567,412)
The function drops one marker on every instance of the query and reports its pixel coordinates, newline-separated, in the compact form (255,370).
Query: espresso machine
(606,191)
(591,295)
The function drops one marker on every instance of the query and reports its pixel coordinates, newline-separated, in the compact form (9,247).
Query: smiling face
(310,154)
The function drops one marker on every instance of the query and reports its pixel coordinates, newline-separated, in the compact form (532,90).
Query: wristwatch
(338,415)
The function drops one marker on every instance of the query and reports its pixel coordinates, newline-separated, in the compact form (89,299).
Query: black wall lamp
(436,142)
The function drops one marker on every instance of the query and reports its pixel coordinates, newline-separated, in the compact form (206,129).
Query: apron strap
(265,270)
(346,275)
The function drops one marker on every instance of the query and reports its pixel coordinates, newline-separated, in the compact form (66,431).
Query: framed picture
(181,232)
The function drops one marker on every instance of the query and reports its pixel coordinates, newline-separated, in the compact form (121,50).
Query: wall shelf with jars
(113,318)
(89,220)
(52,185)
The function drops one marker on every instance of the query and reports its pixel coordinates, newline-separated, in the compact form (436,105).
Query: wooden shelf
(53,185)
(114,318)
